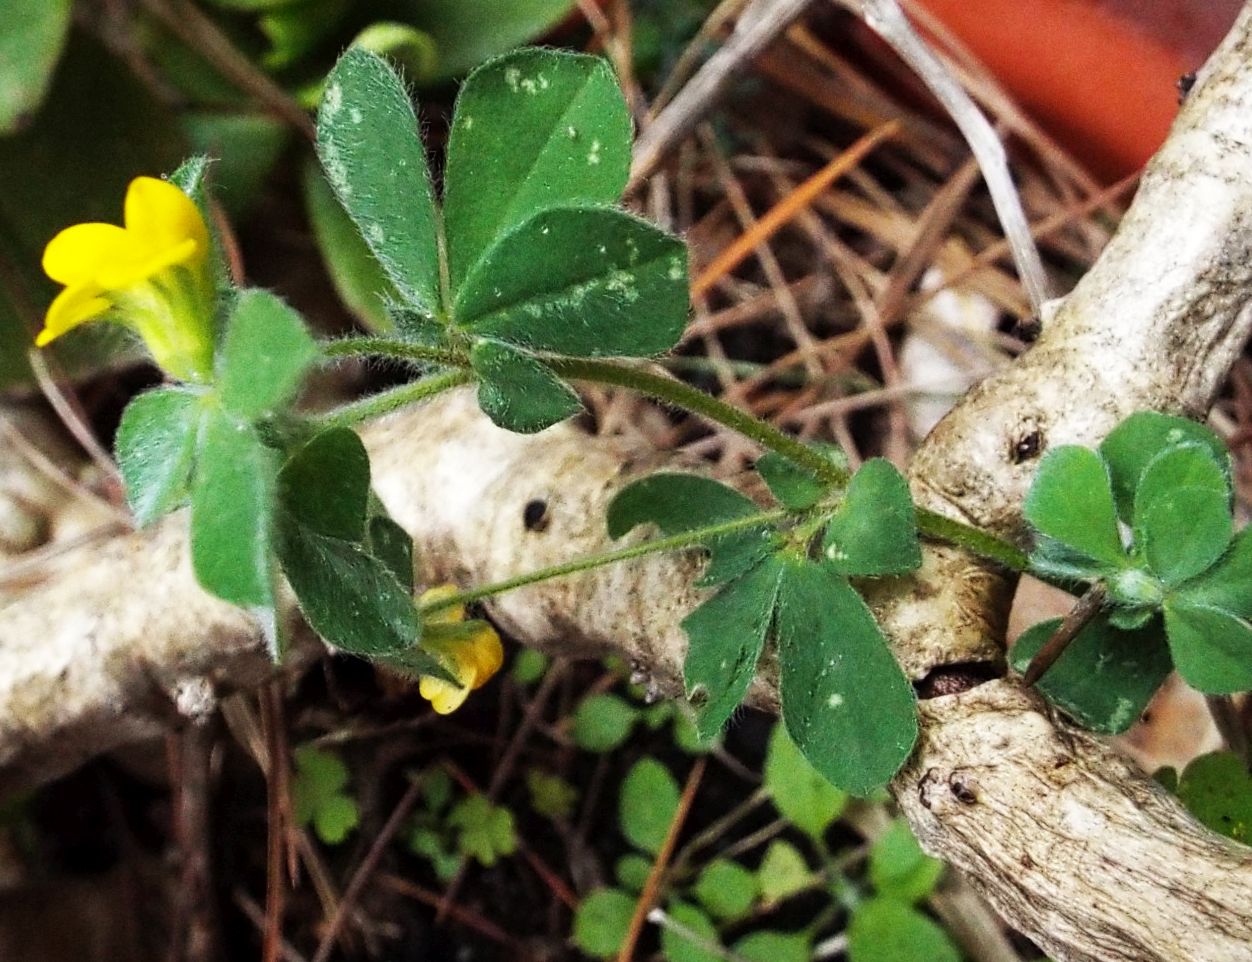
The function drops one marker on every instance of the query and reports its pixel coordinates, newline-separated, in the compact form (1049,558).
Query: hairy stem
(377,405)
(376,346)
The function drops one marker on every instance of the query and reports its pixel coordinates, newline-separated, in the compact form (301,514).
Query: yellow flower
(471,654)
(153,276)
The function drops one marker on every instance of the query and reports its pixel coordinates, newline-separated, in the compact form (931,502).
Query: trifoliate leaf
(725,637)
(532,130)
(368,143)
(1182,518)
(845,701)
(265,354)
(585,282)
(518,391)
(1212,648)
(792,485)
(1071,502)
(156,448)
(874,531)
(1141,437)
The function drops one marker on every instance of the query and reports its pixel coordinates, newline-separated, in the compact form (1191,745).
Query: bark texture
(1074,847)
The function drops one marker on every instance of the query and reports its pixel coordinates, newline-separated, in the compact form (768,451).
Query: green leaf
(1106,677)
(1182,513)
(800,793)
(533,130)
(602,722)
(368,143)
(792,485)
(1217,790)
(391,544)
(486,831)
(725,888)
(529,666)
(647,805)
(550,795)
(845,701)
(30,45)
(1229,584)
(696,941)
(414,51)
(899,868)
(602,921)
(725,638)
(518,391)
(1140,438)
(581,281)
(359,279)
(468,32)
(296,30)
(1071,501)
(774,947)
(783,872)
(231,513)
(156,448)
(318,796)
(265,355)
(1212,648)
(884,930)
(325,485)
(632,871)
(349,598)
(874,532)
(680,502)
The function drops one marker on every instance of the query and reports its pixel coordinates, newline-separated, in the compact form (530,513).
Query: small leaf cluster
(269,491)
(524,258)
(446,830)
(785,582)
(1148,518)
(319,796)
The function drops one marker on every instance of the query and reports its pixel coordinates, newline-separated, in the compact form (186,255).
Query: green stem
(942,528)
(674,542)
(389,347)
(682,395)
(377,405)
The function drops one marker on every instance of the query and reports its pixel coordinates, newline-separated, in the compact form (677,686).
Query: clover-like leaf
(681,502)
(232,513)
(1217,789)
(1227,585)
(1106,676)
(845,701)
(1212,648)
(1071,502)
(874,531)
(725,638)
(532,130)
(886,930)
(156,449)
(1182,518)
(792,485)
(325,485)
(798,790)
(587,282)
(899,868)
(368,143)
(647,805)
(1138,439)
(518,391)
(266,352)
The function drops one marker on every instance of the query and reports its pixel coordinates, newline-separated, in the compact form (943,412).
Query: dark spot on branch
(962,788)
(956,679)
(535,516)
(1027,446)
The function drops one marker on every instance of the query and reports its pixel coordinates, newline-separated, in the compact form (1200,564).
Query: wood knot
(535,516)
(963,787)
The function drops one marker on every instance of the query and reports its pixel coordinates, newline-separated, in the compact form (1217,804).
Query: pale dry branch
(1073,845)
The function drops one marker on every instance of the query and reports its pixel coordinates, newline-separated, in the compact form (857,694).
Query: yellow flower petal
(444,615)
(71,307)
(78,253)
(115,276)
(444,697)
(163,217)
(485,653)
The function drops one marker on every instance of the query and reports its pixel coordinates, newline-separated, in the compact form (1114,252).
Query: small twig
(889,22)
(760,23)
(652,885)
(256,916)
(276,795)
(366,869)
(467,918)
(200,33)
(1079,617)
